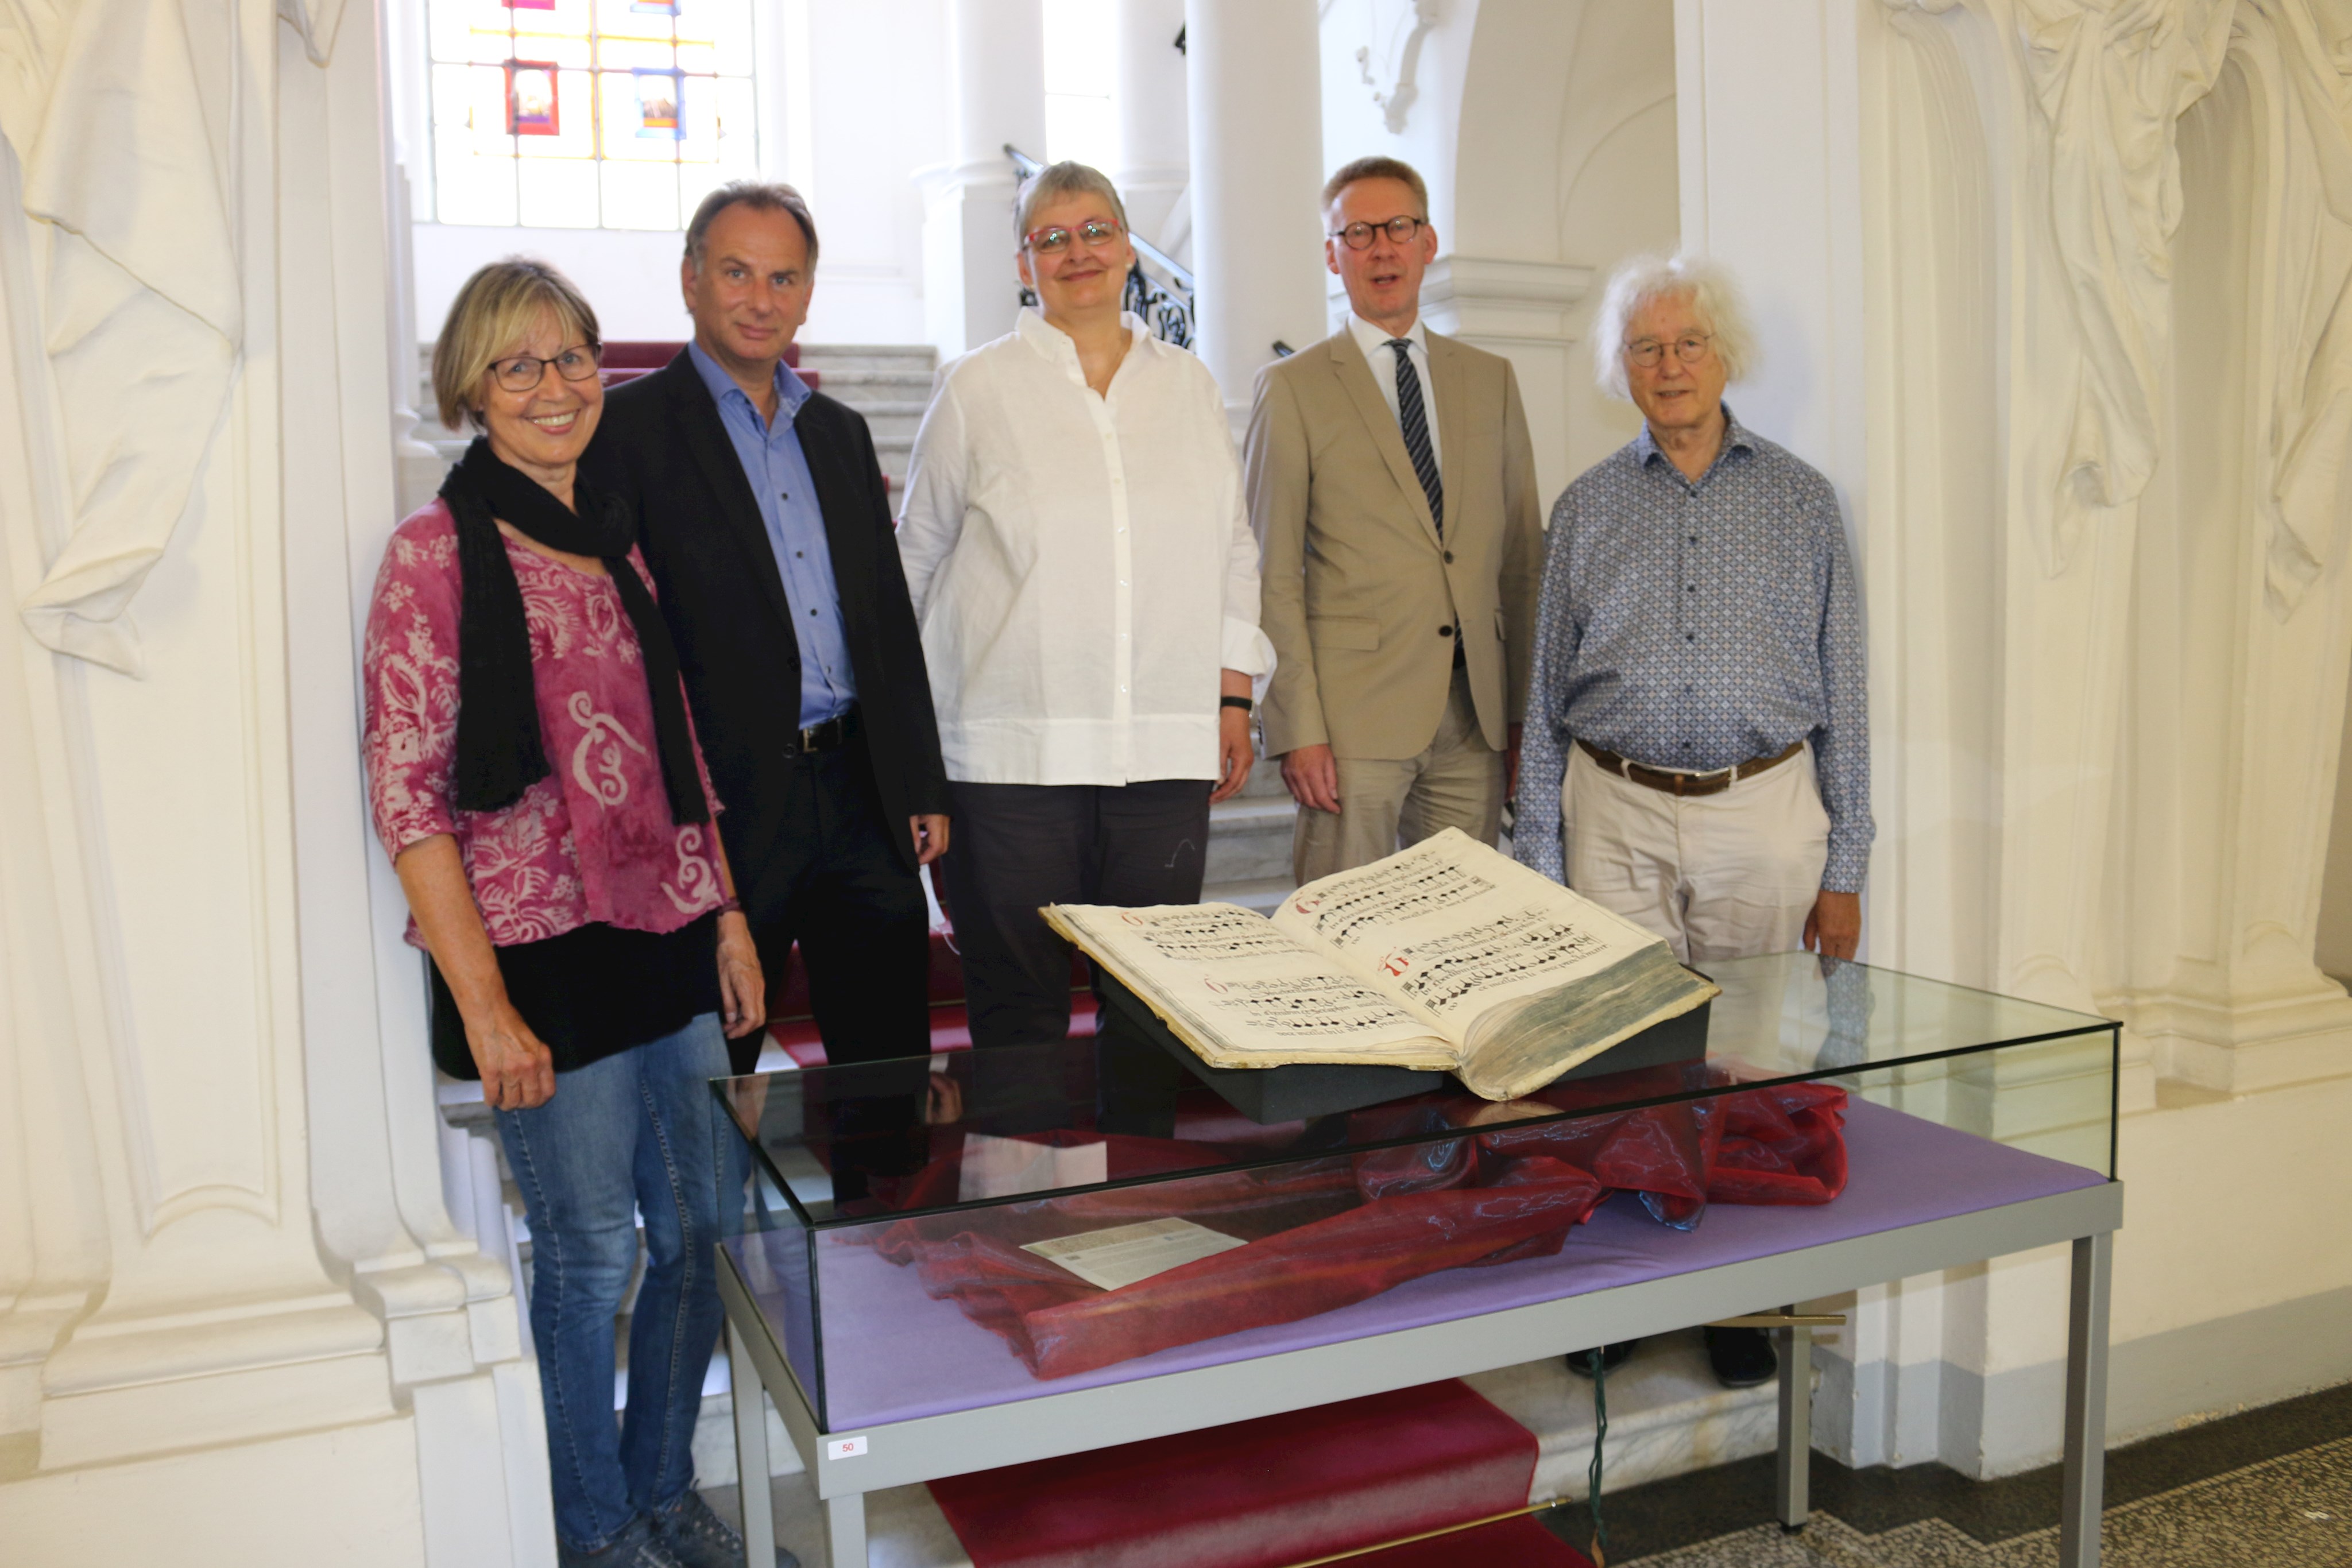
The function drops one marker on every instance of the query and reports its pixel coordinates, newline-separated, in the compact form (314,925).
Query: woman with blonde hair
(533,774)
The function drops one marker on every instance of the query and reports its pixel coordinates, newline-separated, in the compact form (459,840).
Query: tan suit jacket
(1357,582)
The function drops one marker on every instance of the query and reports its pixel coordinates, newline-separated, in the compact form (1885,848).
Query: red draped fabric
(1322,1233)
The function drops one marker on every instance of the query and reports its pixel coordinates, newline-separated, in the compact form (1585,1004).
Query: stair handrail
(1164,303)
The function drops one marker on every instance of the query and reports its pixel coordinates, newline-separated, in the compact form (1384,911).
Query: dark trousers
(857,910)
(1016,846)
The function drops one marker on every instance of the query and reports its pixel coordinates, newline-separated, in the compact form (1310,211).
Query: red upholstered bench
(1430,1463)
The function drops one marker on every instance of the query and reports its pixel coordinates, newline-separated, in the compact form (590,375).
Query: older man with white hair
(1696,755)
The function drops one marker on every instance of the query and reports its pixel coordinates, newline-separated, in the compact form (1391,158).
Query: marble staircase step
(1249,838)
(864,388)
(889,383)
(830,360)
(1264,894)
(892,420)
(1668,1416)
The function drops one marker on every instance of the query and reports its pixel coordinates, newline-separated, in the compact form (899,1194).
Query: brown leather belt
(1688,784)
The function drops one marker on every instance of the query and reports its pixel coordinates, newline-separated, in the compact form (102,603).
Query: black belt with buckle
(830,736)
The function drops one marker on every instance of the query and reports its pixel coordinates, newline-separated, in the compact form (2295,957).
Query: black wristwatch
(1240,703)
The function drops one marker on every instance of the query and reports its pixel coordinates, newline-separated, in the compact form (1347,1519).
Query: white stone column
(1254,95)
(1154,136)
(998,52)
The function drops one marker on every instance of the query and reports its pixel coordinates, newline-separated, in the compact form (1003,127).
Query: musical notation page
(1454,928)
(1243,993)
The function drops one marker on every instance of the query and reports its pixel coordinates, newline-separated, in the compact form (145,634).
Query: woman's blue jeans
(638,1133)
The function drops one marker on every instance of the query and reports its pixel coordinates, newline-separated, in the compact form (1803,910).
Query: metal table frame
(845,1466)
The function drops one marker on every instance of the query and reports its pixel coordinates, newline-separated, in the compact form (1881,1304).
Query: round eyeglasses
(523,372)
(1690,349)
(1359,235)
(1055,239)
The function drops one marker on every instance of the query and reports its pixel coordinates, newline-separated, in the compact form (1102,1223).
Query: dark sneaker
(636,1547)
(1742,1358)
(701,1539)
(1612,1356)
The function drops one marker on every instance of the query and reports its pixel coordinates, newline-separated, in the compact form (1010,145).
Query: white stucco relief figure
(2310,412)
(2104,82)
(140,306)
(316,21)
(2110,81)
(141,309)
(1395,100)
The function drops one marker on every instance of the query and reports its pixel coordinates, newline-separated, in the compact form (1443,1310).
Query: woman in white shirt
(1082,569)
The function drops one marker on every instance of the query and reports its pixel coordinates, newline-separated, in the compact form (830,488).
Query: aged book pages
(1243,993)
(1446,955)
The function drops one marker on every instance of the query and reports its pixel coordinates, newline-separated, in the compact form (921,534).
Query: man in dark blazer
(765,518)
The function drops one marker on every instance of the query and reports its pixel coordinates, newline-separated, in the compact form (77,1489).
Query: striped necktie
(1415,420)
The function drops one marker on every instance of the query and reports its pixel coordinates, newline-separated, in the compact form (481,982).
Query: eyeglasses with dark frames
(1359,235)
(1054,239)
(1690,349)
(523,372)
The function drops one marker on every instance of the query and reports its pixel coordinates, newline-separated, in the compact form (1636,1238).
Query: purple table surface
(893,1354)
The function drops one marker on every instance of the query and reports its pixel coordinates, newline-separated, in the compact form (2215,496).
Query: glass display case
(921,1238)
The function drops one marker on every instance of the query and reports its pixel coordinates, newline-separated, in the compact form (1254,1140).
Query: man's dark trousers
(859,915)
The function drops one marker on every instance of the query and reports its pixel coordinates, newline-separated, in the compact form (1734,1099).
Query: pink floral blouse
(592,841)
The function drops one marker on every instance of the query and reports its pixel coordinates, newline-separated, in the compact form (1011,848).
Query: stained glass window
(617,114)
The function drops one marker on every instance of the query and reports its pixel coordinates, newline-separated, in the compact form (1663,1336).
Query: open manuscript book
(1447,956)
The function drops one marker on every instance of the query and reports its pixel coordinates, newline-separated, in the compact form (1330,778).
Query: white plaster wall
(1392,83)
(348,1496)
(1546,131)
(1623,201)
(629,276)
(879,99)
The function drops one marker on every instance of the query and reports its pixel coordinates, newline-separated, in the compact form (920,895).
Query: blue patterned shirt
(1693,625)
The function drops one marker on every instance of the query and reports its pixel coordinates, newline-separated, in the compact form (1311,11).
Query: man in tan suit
(1393,491)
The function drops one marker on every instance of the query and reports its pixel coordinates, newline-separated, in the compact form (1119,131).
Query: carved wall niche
(1618,186)
(1935,582)
(1564,163)
(2240,624)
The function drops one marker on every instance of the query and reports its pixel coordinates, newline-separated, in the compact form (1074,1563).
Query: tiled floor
(2268,1489)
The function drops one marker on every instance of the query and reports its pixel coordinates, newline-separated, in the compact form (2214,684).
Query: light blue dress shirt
(779,474)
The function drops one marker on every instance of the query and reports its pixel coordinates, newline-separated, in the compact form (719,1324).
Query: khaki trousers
(1455,782)
(1719,876)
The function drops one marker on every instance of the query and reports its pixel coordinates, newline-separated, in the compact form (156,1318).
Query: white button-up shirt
(1374,342)
(1082,566)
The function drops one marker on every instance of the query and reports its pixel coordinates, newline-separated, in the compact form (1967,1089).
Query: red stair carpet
(625,361)
(1285,1489)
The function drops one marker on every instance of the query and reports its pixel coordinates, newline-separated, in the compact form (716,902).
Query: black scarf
(499,752)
